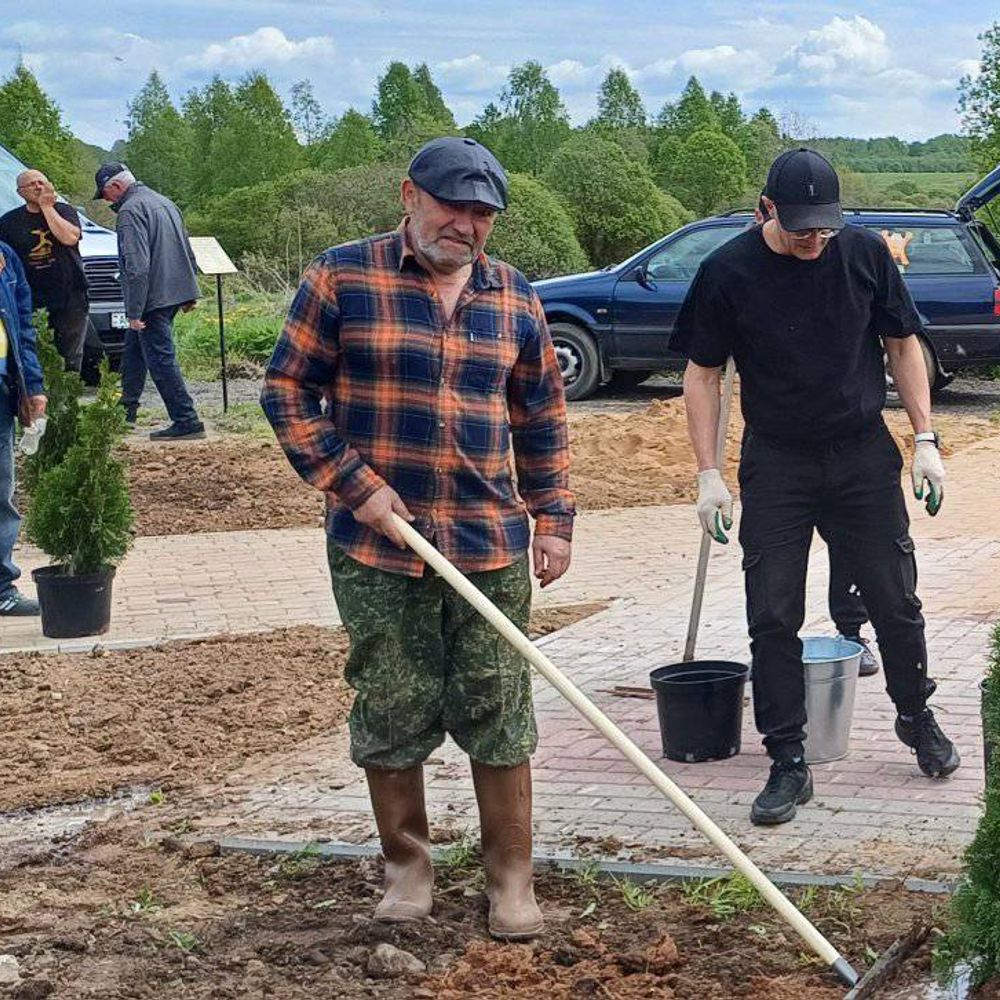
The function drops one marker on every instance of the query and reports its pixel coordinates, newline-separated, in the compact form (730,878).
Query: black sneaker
(869,665)
(937,756)
(790,784)
(15,605)
(178,432)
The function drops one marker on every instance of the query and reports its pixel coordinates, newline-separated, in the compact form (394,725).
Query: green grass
(900,190)
(253,320)
(726,896)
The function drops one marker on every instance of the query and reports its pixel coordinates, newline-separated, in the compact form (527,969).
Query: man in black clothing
(45,234)
(806,307)
(847,609)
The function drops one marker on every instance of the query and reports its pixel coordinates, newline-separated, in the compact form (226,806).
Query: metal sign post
(212,259)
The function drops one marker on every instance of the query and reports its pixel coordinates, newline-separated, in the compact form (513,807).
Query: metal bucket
(831,673)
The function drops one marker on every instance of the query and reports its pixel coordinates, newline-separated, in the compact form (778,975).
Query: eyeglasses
(802,235)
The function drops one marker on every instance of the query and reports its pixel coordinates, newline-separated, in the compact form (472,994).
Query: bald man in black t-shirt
(45,233)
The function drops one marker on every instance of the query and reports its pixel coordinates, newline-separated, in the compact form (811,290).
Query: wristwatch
(928,436)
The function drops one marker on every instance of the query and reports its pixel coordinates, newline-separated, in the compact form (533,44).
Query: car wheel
(90,370)
(578,359)
(937,378)
(624,379)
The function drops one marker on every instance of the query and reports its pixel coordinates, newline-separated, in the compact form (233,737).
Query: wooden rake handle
(785,909)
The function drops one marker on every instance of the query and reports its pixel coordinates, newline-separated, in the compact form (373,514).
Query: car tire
(90,369)
(935,376)
(579,362)
(624,379)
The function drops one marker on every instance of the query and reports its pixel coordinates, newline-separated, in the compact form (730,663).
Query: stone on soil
(390,962)
(10,971)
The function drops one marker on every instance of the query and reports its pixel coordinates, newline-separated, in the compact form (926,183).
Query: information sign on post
(212,259)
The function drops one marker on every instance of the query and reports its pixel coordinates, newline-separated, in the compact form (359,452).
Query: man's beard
(445,258)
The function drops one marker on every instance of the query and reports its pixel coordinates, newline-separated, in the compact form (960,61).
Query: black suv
(615,325)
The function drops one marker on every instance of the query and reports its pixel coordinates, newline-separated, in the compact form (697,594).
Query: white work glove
(715,505)
(928,468)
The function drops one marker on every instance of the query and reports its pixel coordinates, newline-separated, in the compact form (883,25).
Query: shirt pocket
(486,353)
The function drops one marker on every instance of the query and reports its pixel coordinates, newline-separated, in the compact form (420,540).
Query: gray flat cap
(457,169)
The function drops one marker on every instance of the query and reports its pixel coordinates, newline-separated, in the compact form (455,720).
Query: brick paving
(873,811)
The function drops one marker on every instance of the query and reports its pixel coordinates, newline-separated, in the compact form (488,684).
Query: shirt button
(439,470)
(440,423)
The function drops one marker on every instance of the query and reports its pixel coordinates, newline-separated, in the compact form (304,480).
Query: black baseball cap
(805,190)
(104,173)
(458,169)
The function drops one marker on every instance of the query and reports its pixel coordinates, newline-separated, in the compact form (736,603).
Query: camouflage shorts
(424,663)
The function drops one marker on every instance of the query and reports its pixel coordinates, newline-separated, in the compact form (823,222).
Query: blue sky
(872,69)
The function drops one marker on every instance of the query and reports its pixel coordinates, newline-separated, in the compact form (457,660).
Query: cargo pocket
(907,562)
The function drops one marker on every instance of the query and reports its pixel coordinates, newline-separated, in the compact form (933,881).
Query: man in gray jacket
(158,278)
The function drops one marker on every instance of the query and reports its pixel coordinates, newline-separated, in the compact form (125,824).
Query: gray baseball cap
(459,169)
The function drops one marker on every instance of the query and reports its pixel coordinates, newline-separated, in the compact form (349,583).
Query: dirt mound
(632,459)
(644,458)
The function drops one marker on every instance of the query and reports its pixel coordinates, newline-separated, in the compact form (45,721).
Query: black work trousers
(846,607)
(849,490)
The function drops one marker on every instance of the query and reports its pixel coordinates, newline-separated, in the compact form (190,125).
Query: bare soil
(144,906)
(126,912)
(83,726)
(630,459)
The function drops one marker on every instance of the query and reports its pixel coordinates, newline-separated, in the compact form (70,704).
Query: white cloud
(724,66)
(841,47)
(262,48)
(470,73)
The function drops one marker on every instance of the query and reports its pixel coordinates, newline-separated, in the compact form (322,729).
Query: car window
(679,261)
(931,249)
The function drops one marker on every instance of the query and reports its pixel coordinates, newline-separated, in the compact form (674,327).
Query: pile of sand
(644,458)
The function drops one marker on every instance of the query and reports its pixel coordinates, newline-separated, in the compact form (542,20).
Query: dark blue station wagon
(614,326)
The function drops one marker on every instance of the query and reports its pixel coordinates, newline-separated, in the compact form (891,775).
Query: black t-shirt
(55,271)
(805,335)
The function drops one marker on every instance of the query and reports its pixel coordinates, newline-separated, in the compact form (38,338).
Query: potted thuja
(81,517)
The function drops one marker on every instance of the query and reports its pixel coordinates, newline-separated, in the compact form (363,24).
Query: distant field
(897,190)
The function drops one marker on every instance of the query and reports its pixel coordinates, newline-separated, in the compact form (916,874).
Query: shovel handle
(512,634)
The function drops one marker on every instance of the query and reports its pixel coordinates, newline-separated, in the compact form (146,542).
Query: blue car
(614,326)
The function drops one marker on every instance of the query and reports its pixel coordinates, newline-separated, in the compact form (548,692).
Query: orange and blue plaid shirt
(369,384)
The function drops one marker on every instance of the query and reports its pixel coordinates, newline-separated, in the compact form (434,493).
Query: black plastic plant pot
(74,606)
(700,707)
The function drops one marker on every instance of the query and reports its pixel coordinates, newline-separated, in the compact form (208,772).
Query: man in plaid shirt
(411,366)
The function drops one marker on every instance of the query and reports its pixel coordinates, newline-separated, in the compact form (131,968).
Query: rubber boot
(504,797)
(401,816)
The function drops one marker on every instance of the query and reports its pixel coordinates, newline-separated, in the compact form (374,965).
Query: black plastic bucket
(74,606)
(700,706)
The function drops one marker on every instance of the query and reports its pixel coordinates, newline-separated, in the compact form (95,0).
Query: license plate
(119,321)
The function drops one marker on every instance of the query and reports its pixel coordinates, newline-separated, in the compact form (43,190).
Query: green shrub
(63,389)
(253,322)
(613,200)
(974,934)
(291,220)
(709,171)
(535,234)
(80,514)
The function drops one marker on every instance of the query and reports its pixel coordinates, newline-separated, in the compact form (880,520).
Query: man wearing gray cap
(410,366)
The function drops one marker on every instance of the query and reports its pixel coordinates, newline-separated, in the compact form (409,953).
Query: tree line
(283,179)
